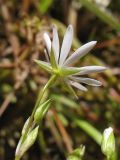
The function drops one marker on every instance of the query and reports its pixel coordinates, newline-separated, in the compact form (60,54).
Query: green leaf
(89,129)
(66,101)
(63,119)
(44,5)
(44,65)
(104,16)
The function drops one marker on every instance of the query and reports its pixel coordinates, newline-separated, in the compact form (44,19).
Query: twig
(54,130)
(7,65)
(6,103)
(108,43)
(10,95)
(63,132)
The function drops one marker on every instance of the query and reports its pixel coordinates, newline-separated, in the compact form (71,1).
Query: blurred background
(70,122)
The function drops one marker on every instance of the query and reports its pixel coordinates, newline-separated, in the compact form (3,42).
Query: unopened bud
(77,154)
(108,142)
(29,141)
(41,111)
(25,126)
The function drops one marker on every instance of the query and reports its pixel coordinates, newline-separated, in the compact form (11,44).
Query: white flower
(59,60)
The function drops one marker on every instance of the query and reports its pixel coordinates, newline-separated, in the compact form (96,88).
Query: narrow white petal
(78,85)
(90,69)
(69,87)
(88,81)
(46,55)
(47,42)
(107,133)
(55,43)
(80,52)
(66,44)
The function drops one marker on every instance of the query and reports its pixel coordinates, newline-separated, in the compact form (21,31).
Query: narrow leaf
(89,129)
(104,16)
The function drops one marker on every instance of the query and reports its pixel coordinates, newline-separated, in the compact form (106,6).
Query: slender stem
(113,157)
(40,96)
(108,158)
(49,83)
(17,158)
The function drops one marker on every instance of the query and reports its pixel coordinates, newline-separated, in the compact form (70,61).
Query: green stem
(40,96)
(17,158)
(113,157)
(41,141)
(108,158)
(49,83)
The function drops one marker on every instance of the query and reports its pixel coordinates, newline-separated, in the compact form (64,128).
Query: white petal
(78,85)
(69,88)
(88,81)
(80,52)
(107,133)
(90,69)
(55,43)
(46,55)
(66,44)
(47,42)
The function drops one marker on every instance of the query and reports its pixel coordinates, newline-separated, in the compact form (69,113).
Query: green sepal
(68,87)
(53,60)
(25,126)
(66,71)
(41,111)
(44,65)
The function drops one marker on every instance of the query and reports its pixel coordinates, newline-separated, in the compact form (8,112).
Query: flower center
(58,72)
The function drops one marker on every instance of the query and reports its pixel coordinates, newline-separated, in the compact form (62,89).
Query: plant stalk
(51,80)
(40,96)
(17,158)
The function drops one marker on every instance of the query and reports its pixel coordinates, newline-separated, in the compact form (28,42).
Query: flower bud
(41,111)
(108,142)
(29,141)
(77,154)
(25,126)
